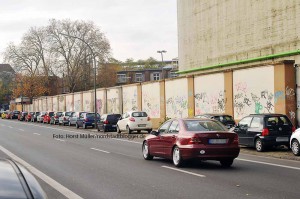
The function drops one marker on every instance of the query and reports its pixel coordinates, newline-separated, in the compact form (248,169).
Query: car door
(157,144)
(242,129)
(170,137)
(123,121)
(255,128)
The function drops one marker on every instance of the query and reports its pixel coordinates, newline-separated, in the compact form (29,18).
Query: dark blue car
(87,119)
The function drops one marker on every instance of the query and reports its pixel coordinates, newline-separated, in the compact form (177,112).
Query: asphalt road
(99,168)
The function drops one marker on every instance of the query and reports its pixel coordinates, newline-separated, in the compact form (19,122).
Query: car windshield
(51,113)
(203,125)
(59,114)
(68,113)
(139,114)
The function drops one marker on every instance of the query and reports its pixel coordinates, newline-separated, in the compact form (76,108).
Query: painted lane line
(59,140)
(59,187)
(126,141)
(21,129)
(183,171)
(100,150)
(10,127)
(266,163)
(36,134)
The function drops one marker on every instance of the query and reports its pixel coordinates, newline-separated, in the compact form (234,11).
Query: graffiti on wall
(210,102)
(177,105)
(151,105)
(99,105)
(113,105)
(130,100)
(77,105)
(246,101)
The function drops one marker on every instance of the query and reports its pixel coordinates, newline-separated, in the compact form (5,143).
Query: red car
(47,117)
(184,139)
(29,116)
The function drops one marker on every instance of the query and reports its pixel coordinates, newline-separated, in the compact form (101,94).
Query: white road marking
(59,140)
(36,134)
(183,171)
(10,127)
(59,187)
(21,129)
(266,163)
(126,141)
(100,150)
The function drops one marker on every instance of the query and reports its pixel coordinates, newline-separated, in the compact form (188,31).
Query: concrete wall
(176,92)
(70,102)
(217,31)
(209,92)
(130,98)
(260,89)
(55,103)
(253,91)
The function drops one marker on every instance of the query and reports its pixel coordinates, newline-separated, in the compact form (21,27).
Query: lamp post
(162,61)
(95,71)
(21,82)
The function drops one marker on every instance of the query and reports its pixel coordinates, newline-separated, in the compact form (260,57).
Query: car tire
(118,129)
(295,147)
(64,124)
(128,130)
(145,150)
(259,146)
(176,157)
(77,126)
(226,163)
(84,126)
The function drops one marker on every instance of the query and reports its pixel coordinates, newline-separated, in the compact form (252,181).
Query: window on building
(138,77)
(156,76)
(122,78)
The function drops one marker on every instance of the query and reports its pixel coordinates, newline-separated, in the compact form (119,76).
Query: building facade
(256,40)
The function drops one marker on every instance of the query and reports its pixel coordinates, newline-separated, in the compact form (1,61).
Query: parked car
(108,122)
(64,118)
(294,143)
(8,115)
(47,117)
(17,182)
(74,117)
(40,117)
(34,117)
(134,121)
(14,114)
(225,119)
(55,118)
(29,116)
(22,115)
(184,139)
(87,119)
(263,131)
(3,116)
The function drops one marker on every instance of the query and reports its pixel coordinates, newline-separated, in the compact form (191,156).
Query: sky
(135,28)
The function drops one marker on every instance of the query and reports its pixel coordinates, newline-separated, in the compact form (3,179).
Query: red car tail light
(265,132)
(236,140)
(106,122)
(194,140)
(148,118)
(293,129)
(131,119)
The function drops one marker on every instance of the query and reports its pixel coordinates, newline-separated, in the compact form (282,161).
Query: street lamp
(21,96)
(95,71)
(162,61)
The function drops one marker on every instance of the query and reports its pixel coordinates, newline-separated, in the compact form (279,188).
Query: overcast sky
(135,28)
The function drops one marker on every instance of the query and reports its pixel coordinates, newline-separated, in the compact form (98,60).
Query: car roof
(214,114)
(267,114)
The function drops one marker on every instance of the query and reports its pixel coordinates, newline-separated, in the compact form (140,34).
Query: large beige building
(242,39)
(214,32)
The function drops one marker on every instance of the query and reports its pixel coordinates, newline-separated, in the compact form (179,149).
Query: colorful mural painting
(151,99)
